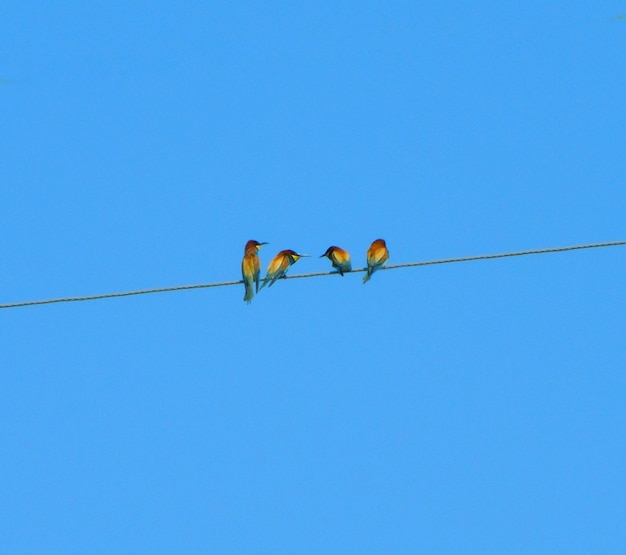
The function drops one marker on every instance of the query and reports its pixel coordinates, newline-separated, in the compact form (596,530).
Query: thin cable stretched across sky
(316,274)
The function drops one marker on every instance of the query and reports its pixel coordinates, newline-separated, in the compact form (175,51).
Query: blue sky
(467,408)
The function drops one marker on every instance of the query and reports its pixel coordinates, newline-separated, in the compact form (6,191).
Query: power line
(315,274)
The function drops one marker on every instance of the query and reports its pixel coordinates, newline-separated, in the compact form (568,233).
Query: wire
(315,274)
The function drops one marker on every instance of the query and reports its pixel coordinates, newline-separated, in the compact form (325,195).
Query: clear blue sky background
(468,408)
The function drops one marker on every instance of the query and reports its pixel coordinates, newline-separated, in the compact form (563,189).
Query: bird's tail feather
(249,293)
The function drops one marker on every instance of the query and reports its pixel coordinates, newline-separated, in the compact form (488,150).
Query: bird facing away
(279,266)
(251,268)
(340,259)
(377,255)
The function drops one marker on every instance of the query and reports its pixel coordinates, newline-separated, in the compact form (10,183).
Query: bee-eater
(339,258)
(377,255)
(251,268)
(279,266)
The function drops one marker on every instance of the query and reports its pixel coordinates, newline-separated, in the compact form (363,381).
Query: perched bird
(377,255)
(251,268)
(339,258)
(279,266)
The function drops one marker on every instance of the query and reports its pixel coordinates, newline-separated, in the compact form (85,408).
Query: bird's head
(293,255)
(254,246)
(328,252)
